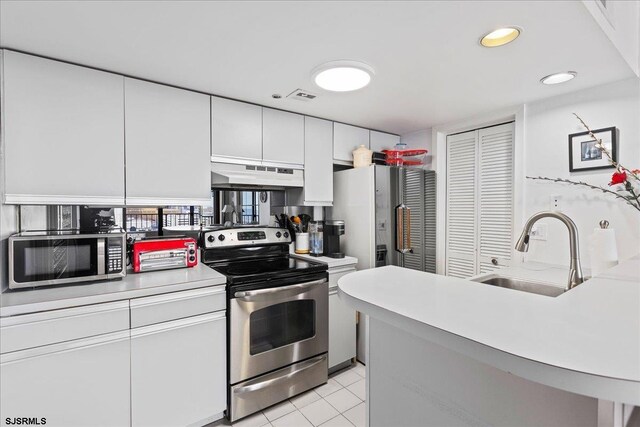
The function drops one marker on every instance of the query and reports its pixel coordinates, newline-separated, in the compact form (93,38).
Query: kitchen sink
(520,285)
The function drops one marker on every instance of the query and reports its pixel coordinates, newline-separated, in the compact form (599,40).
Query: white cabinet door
(236,132)
(179,372)
(342,330)
(347,138)
(318,162)
(168,145)
(382,141)
(64,133)
(282,138)
(77,383)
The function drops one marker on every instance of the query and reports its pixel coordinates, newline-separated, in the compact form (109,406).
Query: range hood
(226,175)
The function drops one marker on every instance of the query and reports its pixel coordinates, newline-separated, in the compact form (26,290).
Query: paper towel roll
(602,250)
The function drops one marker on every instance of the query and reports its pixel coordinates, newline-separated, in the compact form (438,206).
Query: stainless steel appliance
(61,257)
(391,212)
(277,316)
(333,229)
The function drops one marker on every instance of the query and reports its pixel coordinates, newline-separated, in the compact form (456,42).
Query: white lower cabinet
(342,322)
(178,371)
(80,383)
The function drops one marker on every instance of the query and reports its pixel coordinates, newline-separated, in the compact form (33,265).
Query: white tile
(359,369)
(330,387)
(293,419)
(319,412)
(255,420)
(279,410)
(357,415)
(338,421)
(342,400)
(304,399)
(359,389)
(347,377)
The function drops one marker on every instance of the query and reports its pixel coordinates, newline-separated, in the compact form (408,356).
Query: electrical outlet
(538,232)
(555,202)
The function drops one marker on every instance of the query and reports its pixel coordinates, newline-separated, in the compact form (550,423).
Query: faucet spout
(575,269)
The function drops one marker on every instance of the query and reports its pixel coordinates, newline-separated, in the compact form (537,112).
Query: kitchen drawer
(55,326)
(337,273)
(176,305)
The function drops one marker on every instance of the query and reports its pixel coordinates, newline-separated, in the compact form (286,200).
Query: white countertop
(331,262)
(134,285)
(585,341)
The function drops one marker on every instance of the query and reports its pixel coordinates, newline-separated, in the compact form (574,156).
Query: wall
(420,139)
(547,126)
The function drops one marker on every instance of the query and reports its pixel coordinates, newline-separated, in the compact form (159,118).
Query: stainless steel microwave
(63,257)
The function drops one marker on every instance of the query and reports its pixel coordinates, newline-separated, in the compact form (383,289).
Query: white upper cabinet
(283,138)
(347,138)
(236,131)
(64,133)
(382,141)
(318,162)
(167,145)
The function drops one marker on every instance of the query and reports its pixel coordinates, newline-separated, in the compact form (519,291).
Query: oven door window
(282,324)
(40,260)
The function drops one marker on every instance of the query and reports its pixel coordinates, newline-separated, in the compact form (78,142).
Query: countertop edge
(27,308)
(613,389)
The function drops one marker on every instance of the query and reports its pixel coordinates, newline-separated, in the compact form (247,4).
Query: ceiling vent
(302,95)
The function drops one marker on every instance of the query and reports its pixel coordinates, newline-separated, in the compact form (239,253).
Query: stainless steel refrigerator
(390,219)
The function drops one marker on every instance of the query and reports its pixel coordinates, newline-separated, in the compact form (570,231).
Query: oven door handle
(283,290)
(262,384)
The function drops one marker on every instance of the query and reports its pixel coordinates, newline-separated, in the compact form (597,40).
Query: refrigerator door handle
(403,214)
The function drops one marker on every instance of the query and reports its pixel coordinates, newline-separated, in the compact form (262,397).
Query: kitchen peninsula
(456,352)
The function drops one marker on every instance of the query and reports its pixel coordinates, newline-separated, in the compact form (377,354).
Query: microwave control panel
(115,256)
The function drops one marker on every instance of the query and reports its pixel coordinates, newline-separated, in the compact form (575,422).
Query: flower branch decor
(624,184)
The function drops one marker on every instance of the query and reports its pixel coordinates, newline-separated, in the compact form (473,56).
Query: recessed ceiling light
(556,78)
(500,37)
(342,76)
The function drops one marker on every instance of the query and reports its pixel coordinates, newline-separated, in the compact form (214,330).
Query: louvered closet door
(412,195)
(461,205)
(430,191)
(495,196)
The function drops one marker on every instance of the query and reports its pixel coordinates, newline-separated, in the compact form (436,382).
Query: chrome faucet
(575,270)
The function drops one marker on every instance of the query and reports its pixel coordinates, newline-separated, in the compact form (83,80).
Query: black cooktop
(267,269)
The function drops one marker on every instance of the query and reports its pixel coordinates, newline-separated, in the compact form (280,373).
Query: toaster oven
(163,253)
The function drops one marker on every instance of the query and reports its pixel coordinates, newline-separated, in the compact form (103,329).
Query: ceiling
(430,68)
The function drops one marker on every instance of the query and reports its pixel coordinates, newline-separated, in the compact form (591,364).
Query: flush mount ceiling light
(500,37)
(342,76)
(556,78)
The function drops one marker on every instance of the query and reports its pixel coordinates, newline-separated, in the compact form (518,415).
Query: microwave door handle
(292,290)
(101,267)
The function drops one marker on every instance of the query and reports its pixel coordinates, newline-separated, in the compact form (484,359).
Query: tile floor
(338,403)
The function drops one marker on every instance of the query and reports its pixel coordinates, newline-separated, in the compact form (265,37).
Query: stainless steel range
(277,312)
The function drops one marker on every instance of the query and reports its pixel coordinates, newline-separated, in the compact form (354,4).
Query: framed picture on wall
(585,156)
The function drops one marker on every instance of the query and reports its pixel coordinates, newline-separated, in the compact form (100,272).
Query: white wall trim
(439,138)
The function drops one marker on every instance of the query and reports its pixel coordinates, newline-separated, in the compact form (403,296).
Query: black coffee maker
(333,229)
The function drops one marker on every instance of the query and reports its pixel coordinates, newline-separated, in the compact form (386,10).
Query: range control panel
(229,237)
